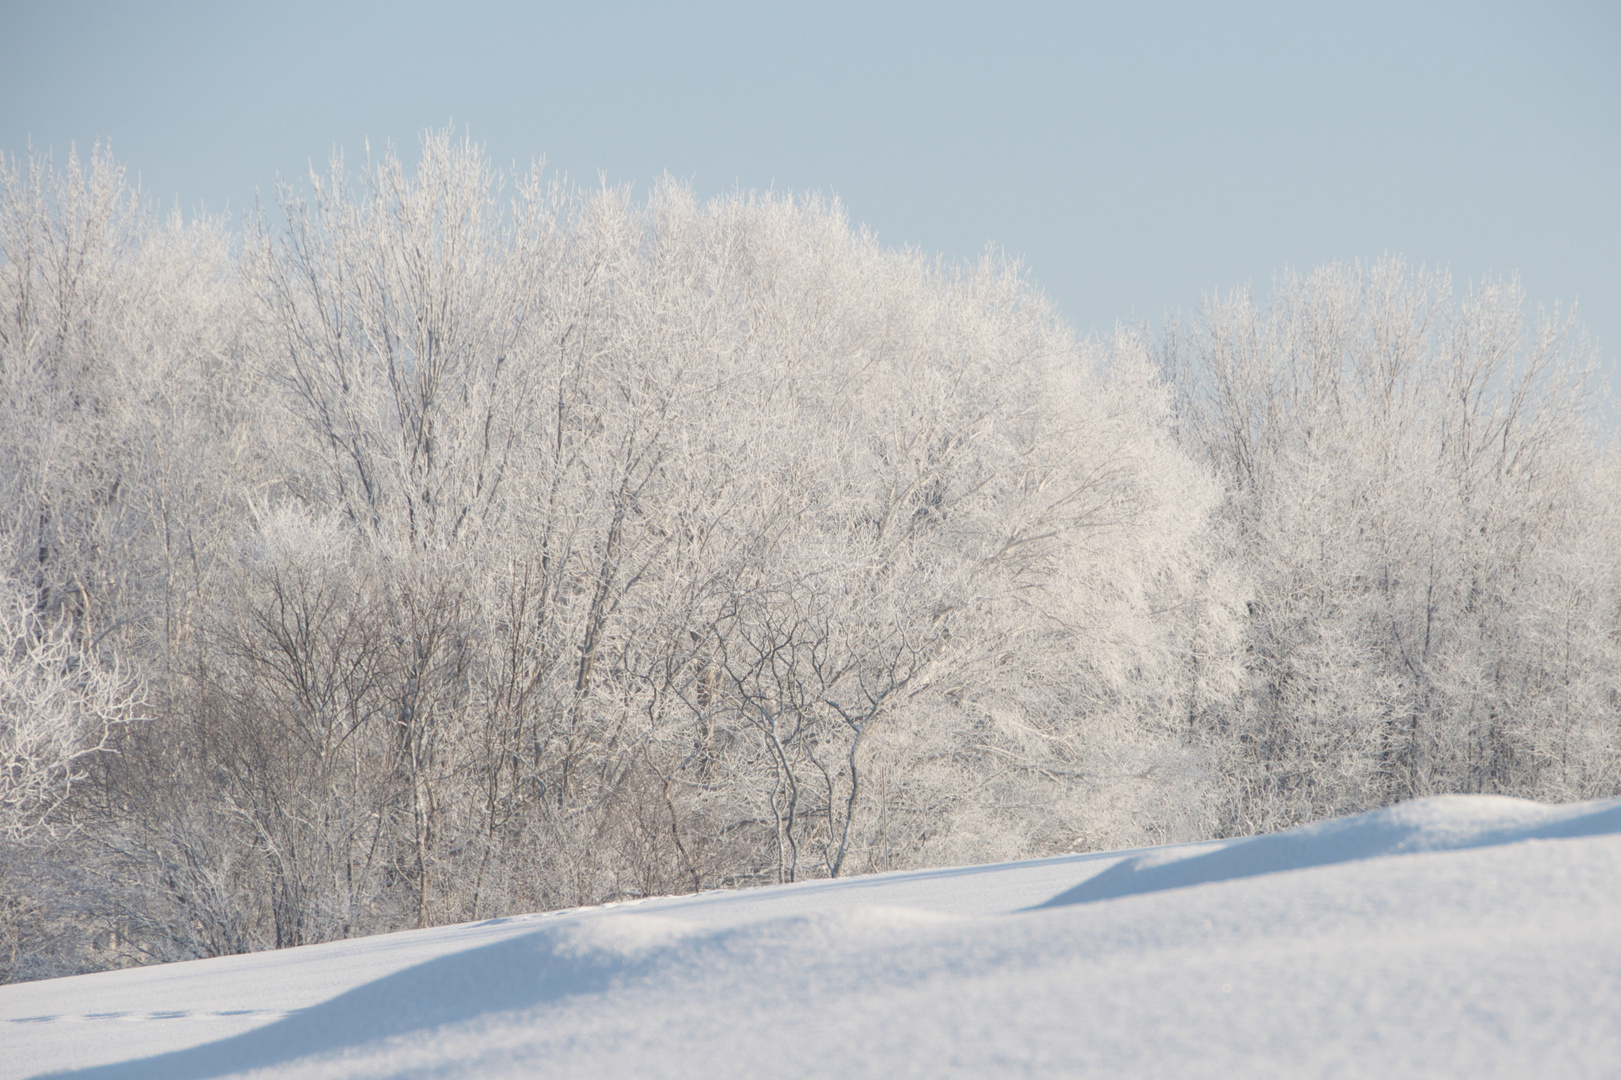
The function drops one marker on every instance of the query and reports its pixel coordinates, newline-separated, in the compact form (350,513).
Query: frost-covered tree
(123,467)
(58,706)
(1418,499)
(711,543)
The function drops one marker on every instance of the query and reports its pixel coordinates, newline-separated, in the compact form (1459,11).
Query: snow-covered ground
(1469,937)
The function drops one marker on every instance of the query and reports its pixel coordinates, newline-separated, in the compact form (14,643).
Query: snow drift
(1457,936)
(1441,823)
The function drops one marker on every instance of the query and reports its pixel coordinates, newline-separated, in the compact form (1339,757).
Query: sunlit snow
(1452,936)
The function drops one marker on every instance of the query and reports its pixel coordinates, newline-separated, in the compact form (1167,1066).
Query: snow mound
(519,973)
(1439,823)
(518,976)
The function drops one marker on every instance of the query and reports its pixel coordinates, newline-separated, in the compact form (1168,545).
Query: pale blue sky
(1135,156)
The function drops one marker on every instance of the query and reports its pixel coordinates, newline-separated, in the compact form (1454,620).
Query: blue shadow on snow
(1406,828)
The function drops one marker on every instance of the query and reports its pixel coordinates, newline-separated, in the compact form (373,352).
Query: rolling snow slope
(1450,936)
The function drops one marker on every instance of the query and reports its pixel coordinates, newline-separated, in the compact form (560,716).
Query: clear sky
(1135,156)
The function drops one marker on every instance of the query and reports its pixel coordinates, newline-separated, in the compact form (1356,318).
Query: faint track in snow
(168,1014)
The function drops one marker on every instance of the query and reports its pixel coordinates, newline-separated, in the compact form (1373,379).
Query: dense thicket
(467,545)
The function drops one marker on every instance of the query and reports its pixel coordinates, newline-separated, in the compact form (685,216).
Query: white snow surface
(1452,936)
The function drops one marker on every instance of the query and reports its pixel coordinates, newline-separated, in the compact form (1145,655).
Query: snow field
(1446,937)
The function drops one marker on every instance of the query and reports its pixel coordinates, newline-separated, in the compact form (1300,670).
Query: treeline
(462,545)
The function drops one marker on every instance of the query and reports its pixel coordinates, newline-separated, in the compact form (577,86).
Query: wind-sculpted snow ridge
(522,973)
(522,976)
(1471,954)
(1439,823)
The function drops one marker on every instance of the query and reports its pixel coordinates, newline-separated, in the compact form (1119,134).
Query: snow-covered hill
(1450,936)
